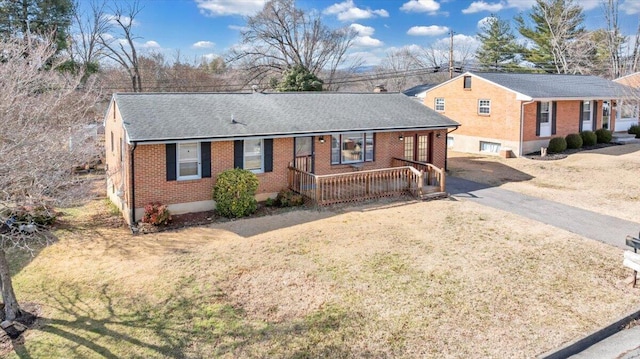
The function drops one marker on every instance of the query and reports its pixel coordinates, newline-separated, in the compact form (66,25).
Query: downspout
(520,143)
(446,150)
(132,215)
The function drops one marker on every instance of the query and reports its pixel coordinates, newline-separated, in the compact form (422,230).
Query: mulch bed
(179,221)
(567,152)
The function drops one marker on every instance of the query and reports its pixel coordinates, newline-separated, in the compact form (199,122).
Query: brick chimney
(379,88)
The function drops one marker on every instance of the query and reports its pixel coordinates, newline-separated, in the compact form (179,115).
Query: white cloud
(238,28)
(348,11)
(209,57)
(433,30)
(367,41)
(520,4)
(482,22)
(478,6)
(203,45)
(125,20)
(364,38)
(367,58)
(590,4)
(150,45)
(460,41)
(229,7)
(428,6)
(630,7)
(363,30)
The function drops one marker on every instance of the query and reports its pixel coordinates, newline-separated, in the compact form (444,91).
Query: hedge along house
(331,147)
(517,113)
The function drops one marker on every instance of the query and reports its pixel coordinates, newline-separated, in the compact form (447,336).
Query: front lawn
(401,279)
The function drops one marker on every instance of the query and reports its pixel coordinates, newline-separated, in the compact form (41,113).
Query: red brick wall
(461,105)
(150,166)
(567,119)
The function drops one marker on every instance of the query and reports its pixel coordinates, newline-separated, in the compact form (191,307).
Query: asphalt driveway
(592,225)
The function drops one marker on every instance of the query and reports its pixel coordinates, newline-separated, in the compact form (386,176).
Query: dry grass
(405,279)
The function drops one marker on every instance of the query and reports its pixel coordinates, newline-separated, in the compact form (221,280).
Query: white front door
(587,116)
(545,119)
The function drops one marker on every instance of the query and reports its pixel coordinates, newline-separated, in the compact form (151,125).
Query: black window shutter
(374,147)
(170,149)
(268,155)
(554,111)
(580,117)
(538,115)
(238,154)
(594,115)
(205,158)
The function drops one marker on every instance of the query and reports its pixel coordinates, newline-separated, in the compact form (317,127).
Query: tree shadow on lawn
(182,325)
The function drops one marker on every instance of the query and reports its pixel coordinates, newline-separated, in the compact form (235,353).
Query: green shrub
(156,214)
(634,130)
(603,135)
(557,145)
(235,192)
(574,140)
(588,138)
(288,198)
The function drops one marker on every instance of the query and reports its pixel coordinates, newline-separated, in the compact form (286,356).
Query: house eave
(283,135)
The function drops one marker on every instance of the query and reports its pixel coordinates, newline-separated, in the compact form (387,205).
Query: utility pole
(450,54)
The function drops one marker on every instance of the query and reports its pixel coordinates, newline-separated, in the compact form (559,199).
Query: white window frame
(368,140)
(547,111)
(590,117)
(495,145)
(179,160)
(484,104)
(245,153)
(439,104)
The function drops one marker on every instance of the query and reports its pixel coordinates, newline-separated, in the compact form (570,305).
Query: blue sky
(209,28)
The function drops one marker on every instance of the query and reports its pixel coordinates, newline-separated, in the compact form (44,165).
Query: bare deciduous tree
(42,137)
(121,47)
(282,36)
(86,46)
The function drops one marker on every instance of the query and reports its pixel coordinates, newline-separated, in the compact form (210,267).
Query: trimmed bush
(634,130)
(557,145)
(589,138)
(156,214)
(288,198)
(603,135)
(574,140)
(234,193)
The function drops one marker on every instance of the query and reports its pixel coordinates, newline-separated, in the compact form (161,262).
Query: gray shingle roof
(173,116)
(417,89)
(558,85)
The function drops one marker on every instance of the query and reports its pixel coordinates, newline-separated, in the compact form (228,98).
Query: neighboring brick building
(629,109)
(522,112)
(170,147)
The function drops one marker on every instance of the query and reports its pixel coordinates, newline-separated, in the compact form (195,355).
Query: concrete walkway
(599,227)
(611,230)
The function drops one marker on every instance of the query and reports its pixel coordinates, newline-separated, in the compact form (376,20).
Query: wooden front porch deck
(422,180)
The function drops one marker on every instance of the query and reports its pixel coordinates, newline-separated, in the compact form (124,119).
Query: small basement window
(490,147)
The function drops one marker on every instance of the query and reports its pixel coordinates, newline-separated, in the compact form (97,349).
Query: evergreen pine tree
(499,50)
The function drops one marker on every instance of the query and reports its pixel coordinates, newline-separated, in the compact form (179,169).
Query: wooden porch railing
(434,179)
(356,186)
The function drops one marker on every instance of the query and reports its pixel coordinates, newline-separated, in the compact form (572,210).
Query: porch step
(434,195)
(624,138)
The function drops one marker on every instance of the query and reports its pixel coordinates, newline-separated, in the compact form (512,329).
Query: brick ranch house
(169,147)
(628,110)
(517,113)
